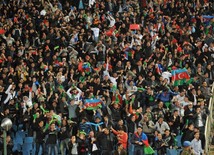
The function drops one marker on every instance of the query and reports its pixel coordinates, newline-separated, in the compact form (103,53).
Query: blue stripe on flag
(178,71)
(92,101)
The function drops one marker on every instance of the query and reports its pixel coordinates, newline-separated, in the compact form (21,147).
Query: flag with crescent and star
(93,104)
(180,76)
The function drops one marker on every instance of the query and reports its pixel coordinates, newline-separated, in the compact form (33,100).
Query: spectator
(63,136)
(40,136)
(176,122)
(196,144)
(122,137)
(189,113)
(148,128)
(168,139)
(106,141)
(137,141)
(93,144)
(120,150)
(73,146)
(161,125)
(187,150)
(82,143)
(188,133)
(160,145)
(52,139)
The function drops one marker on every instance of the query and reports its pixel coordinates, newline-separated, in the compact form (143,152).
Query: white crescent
(180,75)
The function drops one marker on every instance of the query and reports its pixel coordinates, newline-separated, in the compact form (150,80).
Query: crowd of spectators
(55,55)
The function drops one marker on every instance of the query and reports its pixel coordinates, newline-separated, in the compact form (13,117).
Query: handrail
(209,121)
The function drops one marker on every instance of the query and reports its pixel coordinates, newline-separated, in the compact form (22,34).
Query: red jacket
(122,137)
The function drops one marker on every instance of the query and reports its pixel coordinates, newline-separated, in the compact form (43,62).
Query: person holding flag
(141,144)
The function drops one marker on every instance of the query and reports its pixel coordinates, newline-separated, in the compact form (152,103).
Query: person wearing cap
(187,148)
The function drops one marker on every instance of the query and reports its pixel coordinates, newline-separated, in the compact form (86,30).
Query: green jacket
(186,152)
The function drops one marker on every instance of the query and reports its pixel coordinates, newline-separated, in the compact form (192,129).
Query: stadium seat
(178,139)
(14,127)
(20,126)
(171,152)
(156,153)
(18,140)
(29,140)
(20,134)
(16,147)
(27,148)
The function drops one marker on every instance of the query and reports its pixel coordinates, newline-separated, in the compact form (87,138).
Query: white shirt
(180,98)
(112,20)
(96,31)
(167,75)
(161,127)
(196,145)
(9,94)
(76,97)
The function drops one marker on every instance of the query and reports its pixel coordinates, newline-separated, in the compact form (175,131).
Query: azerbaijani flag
(93,104)
(179,76)
(128,53)
(147,148)
(85,67)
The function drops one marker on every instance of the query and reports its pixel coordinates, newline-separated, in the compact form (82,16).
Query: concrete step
(210,153)
(211,150)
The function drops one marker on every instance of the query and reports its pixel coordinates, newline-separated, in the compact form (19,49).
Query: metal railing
(209,122)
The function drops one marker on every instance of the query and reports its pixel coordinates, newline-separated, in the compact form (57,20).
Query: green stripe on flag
(148,150)
(179,82)
(94,108)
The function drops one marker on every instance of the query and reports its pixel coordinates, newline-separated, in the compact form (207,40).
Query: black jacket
(52,137)
(105,141)
(40,135)
(188,135)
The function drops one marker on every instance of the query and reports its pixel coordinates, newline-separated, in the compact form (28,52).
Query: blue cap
(186,143)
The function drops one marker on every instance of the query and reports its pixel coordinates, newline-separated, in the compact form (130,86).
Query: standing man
(51,141)
(137,141)
(196,144)
(40,136)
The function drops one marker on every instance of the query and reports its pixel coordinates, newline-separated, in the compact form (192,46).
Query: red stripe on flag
(180,76)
